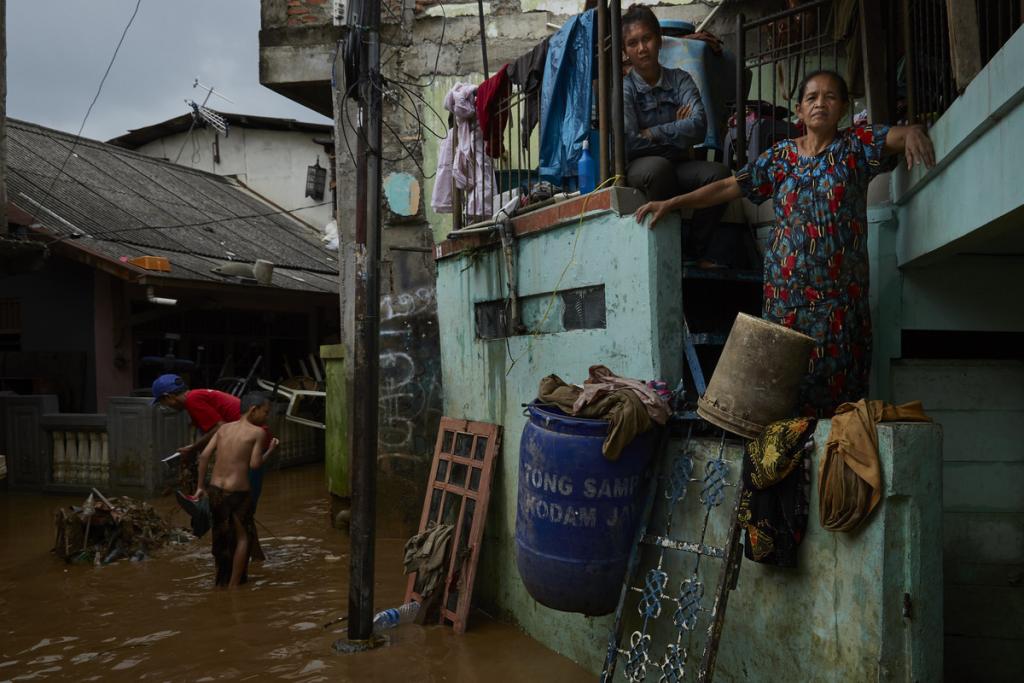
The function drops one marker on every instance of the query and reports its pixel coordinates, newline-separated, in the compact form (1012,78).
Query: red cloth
(492,110)
(207,407)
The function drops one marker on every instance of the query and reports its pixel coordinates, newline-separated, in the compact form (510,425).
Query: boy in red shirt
(209,409)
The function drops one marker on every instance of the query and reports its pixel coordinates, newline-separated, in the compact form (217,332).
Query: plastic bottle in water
(586,168)
(394,616)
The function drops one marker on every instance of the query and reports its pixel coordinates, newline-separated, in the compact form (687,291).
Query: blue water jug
(586,169)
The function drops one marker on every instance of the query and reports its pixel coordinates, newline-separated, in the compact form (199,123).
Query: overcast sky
(57,51)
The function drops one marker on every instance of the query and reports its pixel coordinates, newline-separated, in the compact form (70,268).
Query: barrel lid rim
(542,408)
(717,417)
(770,325)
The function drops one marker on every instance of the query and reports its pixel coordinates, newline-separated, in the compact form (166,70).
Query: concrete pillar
(336,455)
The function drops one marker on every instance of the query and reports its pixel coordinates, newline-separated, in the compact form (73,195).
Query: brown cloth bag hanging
(850,477)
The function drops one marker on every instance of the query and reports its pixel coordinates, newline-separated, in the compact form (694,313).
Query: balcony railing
(777,51)
(79,449)
(931,76)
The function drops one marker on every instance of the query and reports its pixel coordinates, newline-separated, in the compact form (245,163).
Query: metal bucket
(757,380)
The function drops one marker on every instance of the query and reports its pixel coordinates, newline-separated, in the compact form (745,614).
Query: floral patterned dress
(816,266)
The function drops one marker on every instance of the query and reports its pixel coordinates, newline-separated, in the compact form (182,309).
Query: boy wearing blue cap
(208,409)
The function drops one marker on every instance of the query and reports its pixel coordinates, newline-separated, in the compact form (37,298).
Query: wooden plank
(983,537)
(983,487)
(981,436)
(873,32)
(964,41)
(960,385)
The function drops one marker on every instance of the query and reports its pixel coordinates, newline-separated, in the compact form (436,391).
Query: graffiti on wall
(407,304)
(410,373)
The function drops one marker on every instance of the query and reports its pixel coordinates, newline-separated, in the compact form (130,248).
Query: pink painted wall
(111,343)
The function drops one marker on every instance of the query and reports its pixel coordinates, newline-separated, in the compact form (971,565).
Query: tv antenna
(201,111)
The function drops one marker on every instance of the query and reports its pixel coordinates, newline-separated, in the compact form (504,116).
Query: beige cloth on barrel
(850,476)
(629,405)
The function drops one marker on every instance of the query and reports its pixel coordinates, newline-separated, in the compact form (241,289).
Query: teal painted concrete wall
(979,146)
(947,256)
(838,616)
(849,588)
(485,380)
(980,405)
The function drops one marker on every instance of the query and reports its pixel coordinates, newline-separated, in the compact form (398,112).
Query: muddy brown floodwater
(160,619)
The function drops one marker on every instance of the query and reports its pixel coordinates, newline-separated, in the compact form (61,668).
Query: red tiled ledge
(621,200)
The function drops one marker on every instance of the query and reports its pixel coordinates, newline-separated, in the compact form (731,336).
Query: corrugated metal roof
(121,203)
(138,137)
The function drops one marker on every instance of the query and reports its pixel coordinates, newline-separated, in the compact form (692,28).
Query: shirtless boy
(239,448)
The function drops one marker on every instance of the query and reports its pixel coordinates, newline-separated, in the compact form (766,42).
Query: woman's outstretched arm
(718,192)
(912,141)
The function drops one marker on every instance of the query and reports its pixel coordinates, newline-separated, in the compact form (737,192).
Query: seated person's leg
(706,242)
(654,176)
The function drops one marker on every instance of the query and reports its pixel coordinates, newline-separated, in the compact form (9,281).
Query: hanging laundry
(850,476)
(492,111)
(464,165)
(527,72)
(566,98)
(774,501)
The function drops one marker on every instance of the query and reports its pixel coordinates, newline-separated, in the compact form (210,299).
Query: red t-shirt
(207,407)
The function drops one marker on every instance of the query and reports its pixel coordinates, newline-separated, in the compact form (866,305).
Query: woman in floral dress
(816,266)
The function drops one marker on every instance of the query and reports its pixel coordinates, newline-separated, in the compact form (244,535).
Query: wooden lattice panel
(458,493)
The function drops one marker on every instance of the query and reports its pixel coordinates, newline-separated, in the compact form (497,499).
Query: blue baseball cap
(167,384)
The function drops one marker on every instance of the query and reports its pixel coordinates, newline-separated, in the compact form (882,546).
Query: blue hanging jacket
(566,98)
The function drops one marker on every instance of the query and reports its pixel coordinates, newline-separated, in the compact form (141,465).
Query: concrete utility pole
(362,266)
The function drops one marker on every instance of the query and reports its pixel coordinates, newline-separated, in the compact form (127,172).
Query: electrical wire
(188,136)
(404,88)
(96,97)
(554,292)
(437,57)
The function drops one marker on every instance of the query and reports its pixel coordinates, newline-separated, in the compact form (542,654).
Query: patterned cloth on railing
(776,491)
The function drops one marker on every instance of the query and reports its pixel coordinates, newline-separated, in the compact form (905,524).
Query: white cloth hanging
(467,166)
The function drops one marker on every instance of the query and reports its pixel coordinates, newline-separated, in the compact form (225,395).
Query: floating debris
(105,530)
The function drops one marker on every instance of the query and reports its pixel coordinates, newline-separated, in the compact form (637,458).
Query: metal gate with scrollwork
(674,618)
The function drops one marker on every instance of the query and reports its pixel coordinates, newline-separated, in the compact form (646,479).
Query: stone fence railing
(119,451)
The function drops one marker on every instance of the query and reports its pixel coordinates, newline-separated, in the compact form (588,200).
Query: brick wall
(304,12)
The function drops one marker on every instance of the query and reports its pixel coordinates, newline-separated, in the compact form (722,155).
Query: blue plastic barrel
(577,512)
(715,76)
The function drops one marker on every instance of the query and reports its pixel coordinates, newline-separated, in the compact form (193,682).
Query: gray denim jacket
(654,108)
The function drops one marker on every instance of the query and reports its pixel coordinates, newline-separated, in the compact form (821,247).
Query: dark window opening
(964,345)
(582,308)
(10,325)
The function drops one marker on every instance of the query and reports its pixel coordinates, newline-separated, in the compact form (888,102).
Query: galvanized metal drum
(757,380)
